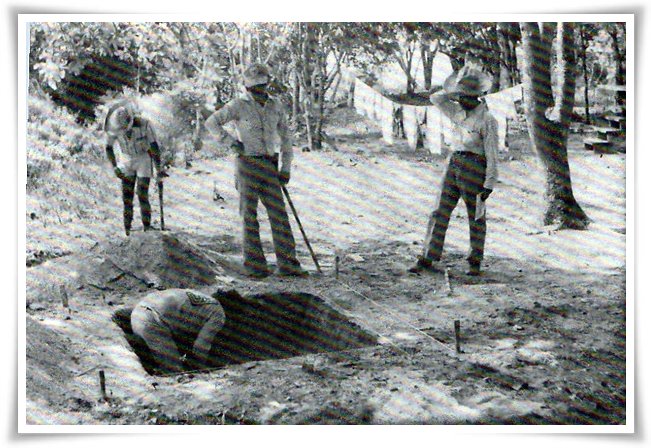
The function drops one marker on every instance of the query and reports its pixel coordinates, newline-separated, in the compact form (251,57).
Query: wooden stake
(64,296)
(448,285)
(457,334)
(102,385)
(337,266)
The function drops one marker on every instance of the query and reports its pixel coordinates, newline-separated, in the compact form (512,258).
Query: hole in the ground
(264,326)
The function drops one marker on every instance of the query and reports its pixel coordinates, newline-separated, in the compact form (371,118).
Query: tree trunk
(584,64)
(318,125)
(620,58)
(351,95)
(549,135)
(296,98)
(197,141)
(405,65)
(509,32)
(620,74)
(490,55)
(505,77)
(427,56)
(335,90)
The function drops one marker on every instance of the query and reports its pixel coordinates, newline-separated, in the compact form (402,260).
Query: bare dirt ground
(542,331)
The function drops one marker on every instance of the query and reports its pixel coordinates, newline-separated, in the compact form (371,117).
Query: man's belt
(468,153)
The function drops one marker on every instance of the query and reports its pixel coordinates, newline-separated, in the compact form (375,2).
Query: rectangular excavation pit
(265,326)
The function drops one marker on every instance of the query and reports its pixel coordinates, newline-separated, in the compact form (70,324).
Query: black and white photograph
(326,222)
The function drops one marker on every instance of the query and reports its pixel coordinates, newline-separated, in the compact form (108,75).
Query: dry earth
(542,331)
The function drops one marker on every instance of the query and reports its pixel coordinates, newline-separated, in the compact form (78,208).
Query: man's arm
(110,154)
(286,151)
(217,120)
(443,101)
(203,343)
(491,143)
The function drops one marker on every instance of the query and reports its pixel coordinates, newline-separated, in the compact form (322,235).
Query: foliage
(158,54)
(53,136)
(199,65)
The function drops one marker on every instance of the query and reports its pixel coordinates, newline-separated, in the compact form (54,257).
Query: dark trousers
(258,181)
(464,178)
(128,190)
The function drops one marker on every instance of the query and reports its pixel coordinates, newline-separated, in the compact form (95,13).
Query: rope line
(388,311)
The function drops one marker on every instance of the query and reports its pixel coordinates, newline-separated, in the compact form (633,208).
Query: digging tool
(300,226)
(160,203)
(102,385)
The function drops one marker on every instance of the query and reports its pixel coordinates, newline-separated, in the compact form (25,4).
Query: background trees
(196,67)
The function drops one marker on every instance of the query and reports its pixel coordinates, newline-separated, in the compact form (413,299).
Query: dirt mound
(124,266)
(155,260)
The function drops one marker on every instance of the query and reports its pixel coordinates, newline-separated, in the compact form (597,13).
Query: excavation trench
(263,327)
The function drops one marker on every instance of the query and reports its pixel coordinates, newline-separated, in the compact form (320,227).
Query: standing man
(134,139)
(261,125)
(472,169)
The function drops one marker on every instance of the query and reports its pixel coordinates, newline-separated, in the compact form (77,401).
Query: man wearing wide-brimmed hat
(262,132)
(133,138)
(472,169)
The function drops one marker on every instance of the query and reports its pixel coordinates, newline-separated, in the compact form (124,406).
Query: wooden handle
(300,226)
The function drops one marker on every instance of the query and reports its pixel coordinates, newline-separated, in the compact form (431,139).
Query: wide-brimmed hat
(468,82)
(256,74)
(120,120)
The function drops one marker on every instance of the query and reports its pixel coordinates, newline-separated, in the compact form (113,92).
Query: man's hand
(283,177)
(160,175)
(485,194)
(238,147)
(118,172)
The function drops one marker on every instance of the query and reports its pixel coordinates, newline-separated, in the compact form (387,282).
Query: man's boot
(425,265)
(293,270)
(474,269)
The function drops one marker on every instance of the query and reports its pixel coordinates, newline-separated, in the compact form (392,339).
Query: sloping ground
(50,381)
(539,345)
(542,331)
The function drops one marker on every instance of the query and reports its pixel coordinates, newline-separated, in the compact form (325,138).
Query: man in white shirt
(261,125)
(472,169)
(134,140)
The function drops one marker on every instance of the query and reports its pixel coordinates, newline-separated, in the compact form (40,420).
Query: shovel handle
(300,226)
(160,203)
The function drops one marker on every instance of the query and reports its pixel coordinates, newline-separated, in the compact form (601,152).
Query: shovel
(300,226)
(160,203)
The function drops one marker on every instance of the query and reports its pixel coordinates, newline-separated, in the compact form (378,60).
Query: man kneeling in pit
(179,326)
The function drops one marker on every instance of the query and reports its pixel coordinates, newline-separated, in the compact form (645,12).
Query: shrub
(53,136)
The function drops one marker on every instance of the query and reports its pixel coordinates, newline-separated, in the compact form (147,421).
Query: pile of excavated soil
(141,262)
(157,259)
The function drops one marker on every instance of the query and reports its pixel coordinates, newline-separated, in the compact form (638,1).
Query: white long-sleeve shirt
(472,131)
(262,129)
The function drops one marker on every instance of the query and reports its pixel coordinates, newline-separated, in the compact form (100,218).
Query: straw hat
(256,74)
(120,120)
(468,82)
